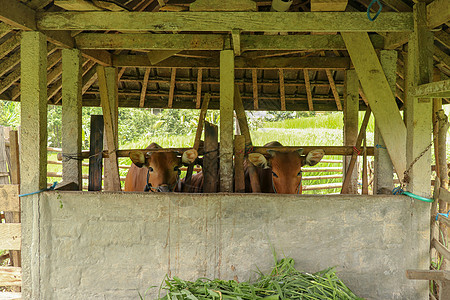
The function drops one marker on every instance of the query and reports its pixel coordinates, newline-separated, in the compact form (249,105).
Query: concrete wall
(112,245)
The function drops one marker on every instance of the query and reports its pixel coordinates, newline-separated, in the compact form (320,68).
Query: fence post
(210,159)
(95,153)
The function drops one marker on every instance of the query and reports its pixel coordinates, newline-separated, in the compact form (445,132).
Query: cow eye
(274,175)
(299,173)
(176,168)
(150,169)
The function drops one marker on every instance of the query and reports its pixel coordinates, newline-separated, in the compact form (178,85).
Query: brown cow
(156,171)
(281,172)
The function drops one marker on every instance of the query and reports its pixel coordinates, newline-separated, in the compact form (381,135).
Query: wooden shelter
(320,55)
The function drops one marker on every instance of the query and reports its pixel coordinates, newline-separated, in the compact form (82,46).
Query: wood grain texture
(10,276)
(10,236)
(9,197)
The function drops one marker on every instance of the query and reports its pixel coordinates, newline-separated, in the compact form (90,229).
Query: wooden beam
(282,90)
(333,88)
(255,88)
(218,5)
(224,21)
(443,37)
(428,275)
(236,37)
(172,87)
(183,41)
(395,40)
(199,88)
(308,90)
(77,5)
(438,13)
(336,63)
(380,97)
(9,45)
(442,57)
(144,87)
(107,81)
(328,5)
(226,119)
(18,15)
(437,89)
(71,114)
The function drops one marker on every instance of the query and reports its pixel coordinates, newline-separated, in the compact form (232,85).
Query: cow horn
(271,152)
(300,151)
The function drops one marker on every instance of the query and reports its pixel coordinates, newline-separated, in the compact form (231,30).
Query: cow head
(163,167)
(286,167)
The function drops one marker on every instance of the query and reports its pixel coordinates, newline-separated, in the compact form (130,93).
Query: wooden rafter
(172,87)
(199,88)
(144,87)
(308,90)
(255,88)
(9,45)
(282,90)
(333,88)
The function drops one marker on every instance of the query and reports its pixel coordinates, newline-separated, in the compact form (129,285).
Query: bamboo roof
(304,80)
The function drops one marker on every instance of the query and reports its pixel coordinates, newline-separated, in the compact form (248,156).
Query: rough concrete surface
(112,245)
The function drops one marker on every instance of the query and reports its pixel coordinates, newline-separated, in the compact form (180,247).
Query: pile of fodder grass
(283,282)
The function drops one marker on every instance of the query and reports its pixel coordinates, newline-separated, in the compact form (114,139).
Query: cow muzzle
(163,188)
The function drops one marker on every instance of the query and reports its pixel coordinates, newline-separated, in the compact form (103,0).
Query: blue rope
(399,191)
(42,190)
(442,214)
(377,13)
(380,146)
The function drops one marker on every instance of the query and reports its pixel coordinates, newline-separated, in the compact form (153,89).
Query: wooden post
(107,81)
(211,159)
(226,119)
(71,114)
(419,129)
(239,151)
(95,153)
(33,153)
(14,217)
(383,167)
(198,135)
(351,110)
(365,181)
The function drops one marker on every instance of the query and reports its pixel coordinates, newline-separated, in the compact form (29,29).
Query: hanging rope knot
(356,150)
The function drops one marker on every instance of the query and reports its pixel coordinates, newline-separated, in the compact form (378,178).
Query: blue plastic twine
(42,190)
(442,214)
(377,13)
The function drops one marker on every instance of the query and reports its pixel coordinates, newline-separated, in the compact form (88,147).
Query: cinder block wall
(112,245)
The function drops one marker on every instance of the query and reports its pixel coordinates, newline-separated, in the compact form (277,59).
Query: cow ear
(138,158)
(314,157)
(299,151)
(258,160)
(189,156)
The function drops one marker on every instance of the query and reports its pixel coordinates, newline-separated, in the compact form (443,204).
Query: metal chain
(406,177)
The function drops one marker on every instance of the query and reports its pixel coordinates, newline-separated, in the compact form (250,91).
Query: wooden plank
(218,5)
(157,56)
(211,159)
(442,57)
(107,81)
(444,220)
(438,13)
(199,88)
(441,249)
(173,75)
(71,113)
(308,90)
(77,5)
(337,63)
(3,156)
(10,276)
(437,89)
(239,151)
(95,153)
(394,40)
(225,21)
(9,45)
(236,37)
(10,234)
(226,120)
(282,90)
(14,153)
(443,37)
(428,275)
(9,197)
(144,87)
(380,97)
(255,88)
(17,15)
(9,63)
(10,296)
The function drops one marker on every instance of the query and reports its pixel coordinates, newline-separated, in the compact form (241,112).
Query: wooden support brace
(239,151)
(255,88)
(199,88)
(236,36)
(172,87)
(282,90)
(211,159)
(308,90)
(334,90)
(144,87)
